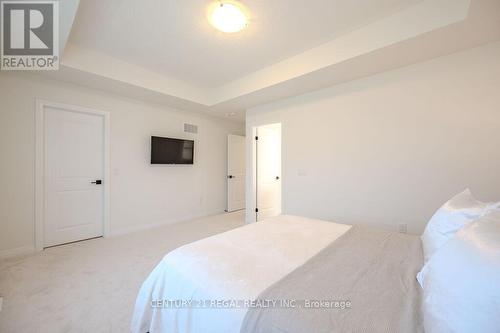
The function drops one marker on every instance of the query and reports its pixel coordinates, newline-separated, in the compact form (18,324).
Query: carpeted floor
(91,286)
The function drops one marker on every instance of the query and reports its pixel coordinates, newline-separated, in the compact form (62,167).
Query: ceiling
(175,39)
(165,51)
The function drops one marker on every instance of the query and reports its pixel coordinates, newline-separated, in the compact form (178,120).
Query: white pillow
(461,210)
(462,281)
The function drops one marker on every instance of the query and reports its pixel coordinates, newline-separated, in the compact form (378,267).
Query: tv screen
(171,151)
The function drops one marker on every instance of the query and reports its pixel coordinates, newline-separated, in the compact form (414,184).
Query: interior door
(236,172)
(74,170)
(268,171)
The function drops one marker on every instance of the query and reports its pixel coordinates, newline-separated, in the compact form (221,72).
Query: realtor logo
(30,35)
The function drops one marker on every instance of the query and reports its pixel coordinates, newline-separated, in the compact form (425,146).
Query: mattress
(208,285)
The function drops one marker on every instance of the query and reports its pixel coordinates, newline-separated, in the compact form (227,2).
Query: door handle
(277,178)
(97,182)
(230,177)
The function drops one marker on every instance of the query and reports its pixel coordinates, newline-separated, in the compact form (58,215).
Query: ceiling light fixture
(228,17)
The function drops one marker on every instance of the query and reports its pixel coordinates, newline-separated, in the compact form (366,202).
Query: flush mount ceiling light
(228,17)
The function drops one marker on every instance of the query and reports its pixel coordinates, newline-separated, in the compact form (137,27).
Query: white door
(235,172)
(268,171)
(74,165)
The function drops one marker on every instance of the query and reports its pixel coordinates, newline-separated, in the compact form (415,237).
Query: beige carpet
(91,286)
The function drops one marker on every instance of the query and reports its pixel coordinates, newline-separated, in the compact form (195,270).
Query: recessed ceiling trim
(398,27)
(401,26)
(426,30)
(101,64)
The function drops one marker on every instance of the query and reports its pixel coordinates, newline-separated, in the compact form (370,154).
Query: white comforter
(235,265)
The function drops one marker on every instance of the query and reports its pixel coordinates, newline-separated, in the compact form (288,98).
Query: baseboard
(136,228)
(30,249)
(18,251)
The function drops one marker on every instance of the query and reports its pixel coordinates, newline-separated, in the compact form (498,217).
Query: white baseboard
(24,250)
(18,251)
(136,228)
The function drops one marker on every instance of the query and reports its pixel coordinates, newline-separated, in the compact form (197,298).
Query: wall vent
(190,128)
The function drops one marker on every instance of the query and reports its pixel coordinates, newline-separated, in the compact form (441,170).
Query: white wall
(390,148)
(141,195)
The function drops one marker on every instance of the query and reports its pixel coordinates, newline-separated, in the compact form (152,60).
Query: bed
(286,274)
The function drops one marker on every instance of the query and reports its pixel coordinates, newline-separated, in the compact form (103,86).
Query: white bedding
(235,265)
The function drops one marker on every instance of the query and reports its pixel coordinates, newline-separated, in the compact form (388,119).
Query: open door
(268,151)
(235,173)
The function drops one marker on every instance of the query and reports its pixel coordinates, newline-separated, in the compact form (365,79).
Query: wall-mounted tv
(171,151)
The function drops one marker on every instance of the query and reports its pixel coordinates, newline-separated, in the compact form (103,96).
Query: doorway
(71,174)
(268,171)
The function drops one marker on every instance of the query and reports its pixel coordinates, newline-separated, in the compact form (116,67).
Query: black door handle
(277,178)
(230,176)
(97,182)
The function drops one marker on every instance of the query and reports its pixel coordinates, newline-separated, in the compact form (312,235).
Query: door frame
(253,215)
(40,202)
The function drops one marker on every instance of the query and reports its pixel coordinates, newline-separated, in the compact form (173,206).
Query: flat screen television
(171,151)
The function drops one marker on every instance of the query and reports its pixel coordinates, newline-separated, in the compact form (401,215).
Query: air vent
(190,128)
